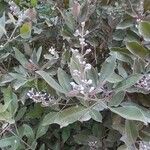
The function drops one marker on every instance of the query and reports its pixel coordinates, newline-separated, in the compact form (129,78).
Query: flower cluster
(40,97)
(14,8)
(83,88)
(21,15)
(93,145)
(144,145)
(80,33)
(52,50)
(53,54)
(85,85)
(140,8)
(144,83)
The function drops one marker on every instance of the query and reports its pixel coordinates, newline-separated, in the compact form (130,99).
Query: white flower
(88,50)
(82,41)
(82,62)
(15,141)
(1,46)
(52,50)
(81,87)
(10,2)
(91,89)
(89,81)
(138,20)
(76,72)
(77,33)
(87,67)
(87,32)
(21,18)
(74,50)
(78,56)
(73,84)
(83,24)
(82,92)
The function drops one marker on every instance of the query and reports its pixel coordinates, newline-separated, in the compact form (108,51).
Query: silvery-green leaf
(128,82)
(2,25)
(20,57)
(137,49)
(117,99)
(50,81)
(67,116)
(132,113)
(96,115)
(64,79)
(144,29)
(107,70)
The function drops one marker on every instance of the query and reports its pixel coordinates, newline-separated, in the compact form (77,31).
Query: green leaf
(38,54)
(67,116)
(131,132)
(20,57)
(2,25)
(14,104)
(122,57)
(25,30)
(42,147)
(121,70)
(27,131)
(121,50)
(9,141)
(81,138)
(4,56)
(117,99)
(33,3)
(114,78)
(7,100)
(64,79)
(125,24)
(137,49)
(35,112)
(74,65)
(131,35)
(3,7)
(123,147)
(51,81)
(144,29)
(93,75)
(118,35)
(84,12)
(10,103)
(96,115)
(20,113)
(138,66)
(128,82)
(69,20)
(41,131)
(132,113)
(146,5)
(65,134)
(7,117)
(19,83)
(107,70)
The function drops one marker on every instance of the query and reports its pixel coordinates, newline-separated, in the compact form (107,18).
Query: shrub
(75,74)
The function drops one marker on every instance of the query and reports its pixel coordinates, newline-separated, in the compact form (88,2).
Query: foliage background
(37,52)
